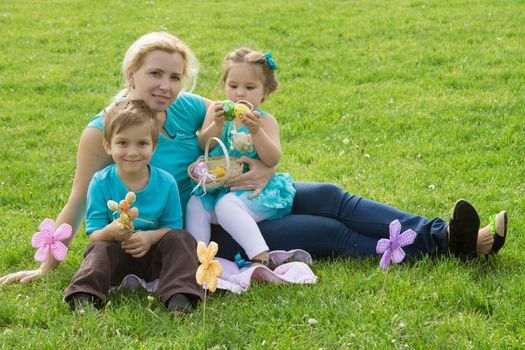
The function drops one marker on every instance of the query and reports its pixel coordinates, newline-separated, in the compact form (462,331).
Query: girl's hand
(255,179)
(137,245)
(213,124)
(252,120)
(216,113)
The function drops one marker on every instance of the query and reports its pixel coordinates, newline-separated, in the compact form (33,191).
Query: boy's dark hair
(130,113)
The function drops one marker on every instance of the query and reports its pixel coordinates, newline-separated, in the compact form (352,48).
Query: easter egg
(228,108)
(133,213)
(218,171)
(130,197)
(124,218)
(124,205)
(240,110)
(112,205)
(199,169)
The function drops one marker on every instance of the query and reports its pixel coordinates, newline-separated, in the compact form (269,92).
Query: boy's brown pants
(173,260)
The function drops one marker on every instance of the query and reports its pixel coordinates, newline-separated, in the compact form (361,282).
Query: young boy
(158,248)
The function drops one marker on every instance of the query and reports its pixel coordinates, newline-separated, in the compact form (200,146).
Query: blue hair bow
(271,63)
(241,263)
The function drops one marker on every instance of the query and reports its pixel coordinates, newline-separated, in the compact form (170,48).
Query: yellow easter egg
(124,218)
(130,197)
(112,205)
(218,171)
(240,110)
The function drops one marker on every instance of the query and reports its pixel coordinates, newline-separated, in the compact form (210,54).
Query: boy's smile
(131,149)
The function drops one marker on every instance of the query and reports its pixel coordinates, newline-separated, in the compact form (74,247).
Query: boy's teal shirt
(158,202)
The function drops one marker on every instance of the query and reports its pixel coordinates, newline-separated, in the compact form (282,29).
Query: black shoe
(498,226)
(463,228)
(181,304)
(82,301)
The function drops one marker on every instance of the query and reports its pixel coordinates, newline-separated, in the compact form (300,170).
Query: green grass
(411,103)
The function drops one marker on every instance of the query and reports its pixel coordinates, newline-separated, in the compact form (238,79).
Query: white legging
(234,216)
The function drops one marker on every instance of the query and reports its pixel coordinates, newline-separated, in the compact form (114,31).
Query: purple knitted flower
(391,248)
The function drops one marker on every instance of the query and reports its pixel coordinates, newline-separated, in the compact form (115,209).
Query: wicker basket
(231,168)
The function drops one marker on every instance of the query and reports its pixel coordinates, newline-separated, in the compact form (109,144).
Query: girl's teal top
(275,200)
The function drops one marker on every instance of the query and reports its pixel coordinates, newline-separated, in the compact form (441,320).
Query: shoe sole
(465,226)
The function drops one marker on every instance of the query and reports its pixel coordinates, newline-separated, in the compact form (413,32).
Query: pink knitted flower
(48,238)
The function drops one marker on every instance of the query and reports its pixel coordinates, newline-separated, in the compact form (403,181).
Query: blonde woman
(325,220)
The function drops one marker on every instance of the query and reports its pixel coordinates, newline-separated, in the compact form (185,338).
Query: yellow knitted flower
(209,269)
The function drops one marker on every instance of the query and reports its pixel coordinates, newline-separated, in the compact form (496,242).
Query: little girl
(248,76)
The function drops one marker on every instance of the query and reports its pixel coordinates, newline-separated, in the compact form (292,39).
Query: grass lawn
(411,103)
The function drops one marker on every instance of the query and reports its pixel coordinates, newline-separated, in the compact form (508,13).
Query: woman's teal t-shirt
(173,154)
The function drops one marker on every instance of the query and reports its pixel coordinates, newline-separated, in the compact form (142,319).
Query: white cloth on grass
(293,269)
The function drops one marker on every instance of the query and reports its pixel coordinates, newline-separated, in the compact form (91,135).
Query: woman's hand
(255,179)
(22,276)
(91,157)
(137,245)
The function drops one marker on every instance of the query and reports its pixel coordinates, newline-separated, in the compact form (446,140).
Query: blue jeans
(328,221)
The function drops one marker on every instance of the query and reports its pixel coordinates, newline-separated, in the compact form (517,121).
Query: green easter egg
(228,107)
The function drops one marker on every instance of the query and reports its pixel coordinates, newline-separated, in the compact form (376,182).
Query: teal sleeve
(186,115)
(196,107)
(97,122)
(97,211)
(172,215)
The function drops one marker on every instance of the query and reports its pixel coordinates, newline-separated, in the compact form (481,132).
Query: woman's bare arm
(91,158)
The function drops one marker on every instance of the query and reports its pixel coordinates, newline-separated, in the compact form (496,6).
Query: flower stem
(204,319)
(384,283)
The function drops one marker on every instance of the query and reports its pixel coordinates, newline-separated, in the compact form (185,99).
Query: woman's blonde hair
(245,55)
(163,41)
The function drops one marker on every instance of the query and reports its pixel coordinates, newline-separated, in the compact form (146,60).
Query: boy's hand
(217,112)
(118,233)
(137,245)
